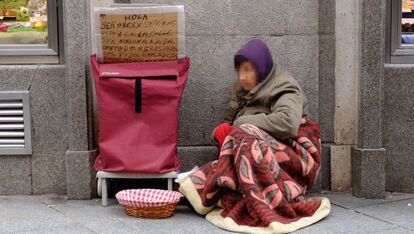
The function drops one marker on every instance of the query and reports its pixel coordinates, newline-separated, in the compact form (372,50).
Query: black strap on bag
(138,95)
(138,90)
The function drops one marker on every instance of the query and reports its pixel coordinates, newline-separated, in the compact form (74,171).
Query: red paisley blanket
(258,183)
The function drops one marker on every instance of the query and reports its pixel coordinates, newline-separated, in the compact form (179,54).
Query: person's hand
(221,132)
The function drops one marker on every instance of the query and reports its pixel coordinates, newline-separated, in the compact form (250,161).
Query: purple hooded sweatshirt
(257,52)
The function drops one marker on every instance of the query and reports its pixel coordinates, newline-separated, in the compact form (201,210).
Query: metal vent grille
(15,130)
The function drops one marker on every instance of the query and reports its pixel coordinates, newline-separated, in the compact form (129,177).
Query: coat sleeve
(284,120)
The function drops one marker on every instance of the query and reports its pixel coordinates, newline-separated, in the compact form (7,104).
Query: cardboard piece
(136,34)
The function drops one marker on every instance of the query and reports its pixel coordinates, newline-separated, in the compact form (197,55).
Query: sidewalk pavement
(55,214)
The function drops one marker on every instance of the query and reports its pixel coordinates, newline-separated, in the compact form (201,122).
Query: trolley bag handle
(139,69)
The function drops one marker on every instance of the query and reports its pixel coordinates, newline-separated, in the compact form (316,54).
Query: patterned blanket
(258,183)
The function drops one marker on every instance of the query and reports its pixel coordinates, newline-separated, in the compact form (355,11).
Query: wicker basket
(155,212)
(148,203)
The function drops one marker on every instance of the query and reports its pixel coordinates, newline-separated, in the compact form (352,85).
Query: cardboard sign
(139,37)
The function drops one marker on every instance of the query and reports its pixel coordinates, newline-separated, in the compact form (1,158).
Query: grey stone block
(302,17)
(370,120)
(327,86)
(400,213)
(49,129)
(258,17)
(191,156)
(327,16)
(48,173)
(17,77)
(323,181)
(399,171)
(15,175)
(398,125)
(300,56)
(76,57)
(368,173)
(80,175)
(340,168)
(371,74)
(209,17)
(325,172)
(285,17)
(48,101)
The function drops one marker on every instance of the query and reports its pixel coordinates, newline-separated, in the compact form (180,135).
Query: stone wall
(398,125)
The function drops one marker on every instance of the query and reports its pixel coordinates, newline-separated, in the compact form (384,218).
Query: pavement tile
(342,220)
(110,219)
(90,214)
(60,230)
(24,213)
(395,231)
(184,221)
(400,213)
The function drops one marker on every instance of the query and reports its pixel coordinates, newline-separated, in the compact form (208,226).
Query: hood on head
(257,52)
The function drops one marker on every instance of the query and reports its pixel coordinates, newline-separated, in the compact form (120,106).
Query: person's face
(247,75)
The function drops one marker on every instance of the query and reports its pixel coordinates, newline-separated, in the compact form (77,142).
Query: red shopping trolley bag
(138,114)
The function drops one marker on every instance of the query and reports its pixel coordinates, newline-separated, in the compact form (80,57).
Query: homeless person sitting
(269,154)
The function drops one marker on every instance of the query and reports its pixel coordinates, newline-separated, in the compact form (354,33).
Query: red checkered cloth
(147,197)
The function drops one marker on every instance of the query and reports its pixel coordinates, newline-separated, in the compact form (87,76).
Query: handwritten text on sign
(139,37)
